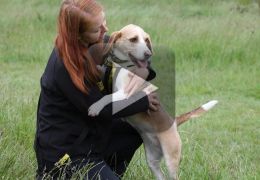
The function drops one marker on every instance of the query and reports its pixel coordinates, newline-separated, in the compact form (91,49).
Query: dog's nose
(147,54)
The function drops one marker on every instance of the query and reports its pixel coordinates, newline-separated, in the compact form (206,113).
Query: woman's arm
(83,101)
(135,104)
(151,75)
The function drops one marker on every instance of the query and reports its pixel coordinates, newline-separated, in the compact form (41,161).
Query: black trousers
(123,143)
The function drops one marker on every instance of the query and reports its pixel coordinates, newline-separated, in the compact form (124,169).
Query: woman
(67,139)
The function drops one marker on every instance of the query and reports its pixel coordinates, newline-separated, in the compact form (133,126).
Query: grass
(216,49)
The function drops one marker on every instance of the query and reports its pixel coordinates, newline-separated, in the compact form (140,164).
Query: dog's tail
(196,112)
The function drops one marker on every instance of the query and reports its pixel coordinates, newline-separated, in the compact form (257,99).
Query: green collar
(112,60)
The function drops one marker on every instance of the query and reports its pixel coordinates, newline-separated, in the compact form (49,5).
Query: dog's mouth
(141,63)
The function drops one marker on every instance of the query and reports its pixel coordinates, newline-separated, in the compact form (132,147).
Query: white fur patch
(209,105)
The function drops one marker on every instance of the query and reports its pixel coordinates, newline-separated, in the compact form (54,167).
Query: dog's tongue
(142,64)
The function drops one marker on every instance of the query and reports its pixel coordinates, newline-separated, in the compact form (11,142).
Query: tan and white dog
(131,47)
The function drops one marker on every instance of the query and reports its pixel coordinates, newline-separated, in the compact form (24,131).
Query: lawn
(204,49)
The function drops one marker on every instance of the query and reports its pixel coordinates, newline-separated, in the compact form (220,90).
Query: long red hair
(74,16)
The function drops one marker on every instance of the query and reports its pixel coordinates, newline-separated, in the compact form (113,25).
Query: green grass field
(216,47)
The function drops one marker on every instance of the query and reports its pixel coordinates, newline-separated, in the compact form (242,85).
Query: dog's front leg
(95,108)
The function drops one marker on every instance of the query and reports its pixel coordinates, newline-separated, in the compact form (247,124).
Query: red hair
(74,17)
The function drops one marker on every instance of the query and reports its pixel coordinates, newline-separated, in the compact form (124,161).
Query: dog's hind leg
(171,146)
(153,154)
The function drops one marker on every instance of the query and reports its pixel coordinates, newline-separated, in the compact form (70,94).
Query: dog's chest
(116,74)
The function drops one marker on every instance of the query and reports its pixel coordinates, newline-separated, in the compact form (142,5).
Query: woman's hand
(154,102)
(137,80)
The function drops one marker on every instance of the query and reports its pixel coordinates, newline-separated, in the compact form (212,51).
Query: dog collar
(116,59)
(111,58)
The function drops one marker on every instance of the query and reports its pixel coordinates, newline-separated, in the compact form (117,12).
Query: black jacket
(62,115)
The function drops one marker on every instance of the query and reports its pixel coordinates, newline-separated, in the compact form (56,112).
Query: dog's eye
(147,40)
(134,39)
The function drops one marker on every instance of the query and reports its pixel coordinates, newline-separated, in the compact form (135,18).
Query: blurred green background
(216,49)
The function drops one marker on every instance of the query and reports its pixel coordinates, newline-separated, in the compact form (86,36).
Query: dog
(131,48)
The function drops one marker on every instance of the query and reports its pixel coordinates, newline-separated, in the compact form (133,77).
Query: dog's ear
(149,43)
(112,39)
(114,36)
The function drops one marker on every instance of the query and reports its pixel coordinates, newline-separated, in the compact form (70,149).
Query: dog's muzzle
(141,63)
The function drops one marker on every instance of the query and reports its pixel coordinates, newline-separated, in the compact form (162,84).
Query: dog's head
(131,43)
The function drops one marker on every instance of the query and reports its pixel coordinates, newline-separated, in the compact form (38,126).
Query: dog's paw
(95,109)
